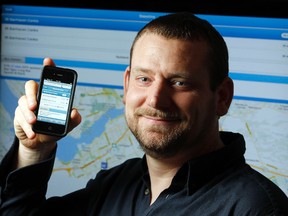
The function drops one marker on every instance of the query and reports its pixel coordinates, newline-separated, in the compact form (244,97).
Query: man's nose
(159,96)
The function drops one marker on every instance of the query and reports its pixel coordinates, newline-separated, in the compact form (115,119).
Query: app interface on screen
(54,102)
(96,43)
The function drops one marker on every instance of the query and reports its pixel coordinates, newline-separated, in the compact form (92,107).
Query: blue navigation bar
(228,26)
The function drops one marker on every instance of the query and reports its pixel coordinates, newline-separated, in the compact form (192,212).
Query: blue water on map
(67,147)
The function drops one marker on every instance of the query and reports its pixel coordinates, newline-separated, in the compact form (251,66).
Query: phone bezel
(60,74)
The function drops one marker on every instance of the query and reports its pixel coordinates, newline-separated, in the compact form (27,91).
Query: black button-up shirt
(220,183)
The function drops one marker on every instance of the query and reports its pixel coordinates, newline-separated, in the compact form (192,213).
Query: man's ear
(126,83)
(225,94)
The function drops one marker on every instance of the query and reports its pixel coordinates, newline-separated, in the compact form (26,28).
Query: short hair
(187,26)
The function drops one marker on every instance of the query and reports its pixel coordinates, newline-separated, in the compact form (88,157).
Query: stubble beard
(158,141)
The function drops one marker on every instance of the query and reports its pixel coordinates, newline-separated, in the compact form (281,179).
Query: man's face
(169,105)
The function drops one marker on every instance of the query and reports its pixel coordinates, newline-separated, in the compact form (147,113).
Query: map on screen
(97,47)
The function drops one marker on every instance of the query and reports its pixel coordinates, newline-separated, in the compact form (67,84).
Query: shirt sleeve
(22,191)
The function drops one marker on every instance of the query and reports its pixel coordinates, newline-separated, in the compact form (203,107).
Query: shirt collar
(197,172)
(208,167)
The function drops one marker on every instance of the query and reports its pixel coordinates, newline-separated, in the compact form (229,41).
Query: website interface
(96,43)
(54,102)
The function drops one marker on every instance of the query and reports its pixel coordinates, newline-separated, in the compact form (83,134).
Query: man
(175,90)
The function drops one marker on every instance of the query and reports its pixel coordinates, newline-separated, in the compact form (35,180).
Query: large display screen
(96,43)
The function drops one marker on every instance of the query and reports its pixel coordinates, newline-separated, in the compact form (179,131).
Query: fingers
(24,113)
(75,119)
(27,104)
(23,120)
(48,61)
(31,88)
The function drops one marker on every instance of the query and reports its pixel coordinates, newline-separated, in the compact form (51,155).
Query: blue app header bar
(228,26)
(80,13)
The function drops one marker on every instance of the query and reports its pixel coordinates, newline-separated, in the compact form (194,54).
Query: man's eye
(143,79)
(179,83)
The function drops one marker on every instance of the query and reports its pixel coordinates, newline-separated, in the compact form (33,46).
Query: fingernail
(30,117)
(31,102)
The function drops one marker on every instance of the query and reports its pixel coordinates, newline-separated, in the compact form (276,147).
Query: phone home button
(50,128)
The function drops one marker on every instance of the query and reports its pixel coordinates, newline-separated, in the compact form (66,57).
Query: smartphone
(55,99)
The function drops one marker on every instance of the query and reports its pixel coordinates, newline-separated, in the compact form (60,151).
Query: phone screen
(54,102)
(55,97)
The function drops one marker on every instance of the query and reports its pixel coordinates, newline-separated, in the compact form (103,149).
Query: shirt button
(147,192)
